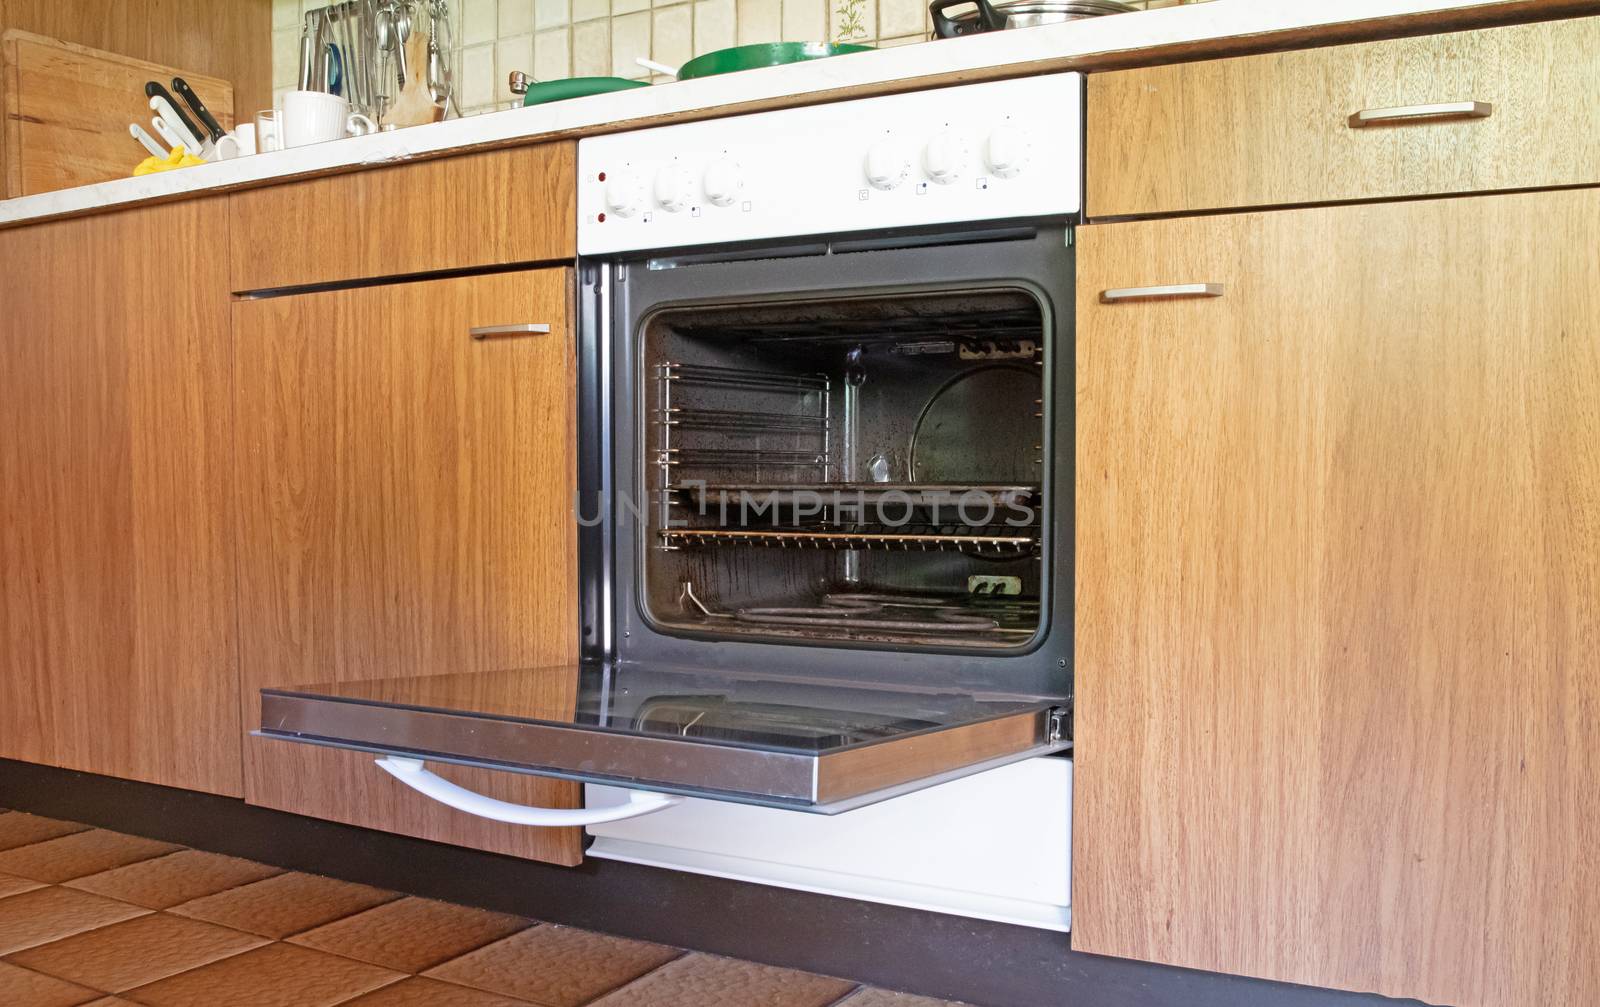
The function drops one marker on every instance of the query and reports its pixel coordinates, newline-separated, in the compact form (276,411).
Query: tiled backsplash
(551,39)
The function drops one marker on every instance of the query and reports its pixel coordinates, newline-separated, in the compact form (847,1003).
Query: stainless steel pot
(985,16)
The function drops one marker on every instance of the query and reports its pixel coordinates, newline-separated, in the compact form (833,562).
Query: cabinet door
(117,611)
(405,509)
(1338,598)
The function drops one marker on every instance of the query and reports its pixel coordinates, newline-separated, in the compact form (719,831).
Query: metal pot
(986,16)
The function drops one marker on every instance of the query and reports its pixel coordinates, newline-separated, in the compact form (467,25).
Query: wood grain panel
(405,509)
(1272,129)
(68,108)
(1338,598)
(116,552)
(231,40)
(489,209)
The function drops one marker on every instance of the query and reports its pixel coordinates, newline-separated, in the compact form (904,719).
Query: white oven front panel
(996,151)
(996,845)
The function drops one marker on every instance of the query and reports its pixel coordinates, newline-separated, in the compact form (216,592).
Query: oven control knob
(624,194)
(887,165)
(674,188)
(1008,151)
(724,181)
(946,157)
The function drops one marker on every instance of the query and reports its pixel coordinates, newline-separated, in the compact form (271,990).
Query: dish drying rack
(771,431)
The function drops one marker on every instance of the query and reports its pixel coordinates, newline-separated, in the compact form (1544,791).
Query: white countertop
(994,54)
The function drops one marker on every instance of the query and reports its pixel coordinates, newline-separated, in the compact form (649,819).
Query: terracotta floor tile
(20,829)
(22,988)
(11,885)
(883,998)
(135,952)
(73,856)
(411,934)
(698,980)
(555,966)
(277,975)
(285,904)
(420,992)
(49,914)
(167,881)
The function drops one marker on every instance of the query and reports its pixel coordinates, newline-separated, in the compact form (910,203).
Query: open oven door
(803,746)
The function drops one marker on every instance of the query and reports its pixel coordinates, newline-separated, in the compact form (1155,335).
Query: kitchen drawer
(1276,129)
(477,210)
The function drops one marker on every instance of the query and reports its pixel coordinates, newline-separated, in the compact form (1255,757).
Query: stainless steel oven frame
(621,296)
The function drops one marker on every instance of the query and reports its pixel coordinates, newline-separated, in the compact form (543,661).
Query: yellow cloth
(179,158)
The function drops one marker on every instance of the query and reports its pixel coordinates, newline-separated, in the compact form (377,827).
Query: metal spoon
(383,34)
(402,34)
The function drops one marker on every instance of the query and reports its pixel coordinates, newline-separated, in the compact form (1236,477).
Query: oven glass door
(821,748)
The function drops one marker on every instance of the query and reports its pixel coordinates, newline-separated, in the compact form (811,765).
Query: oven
(825,481)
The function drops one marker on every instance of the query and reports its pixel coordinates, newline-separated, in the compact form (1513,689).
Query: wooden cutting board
(67,110)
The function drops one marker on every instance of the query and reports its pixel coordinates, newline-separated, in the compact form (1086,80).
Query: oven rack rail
(845,496)
(1006,546)
(731,419)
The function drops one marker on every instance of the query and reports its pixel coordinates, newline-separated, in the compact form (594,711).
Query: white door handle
(414,774)
(1401,114)
(1161,292)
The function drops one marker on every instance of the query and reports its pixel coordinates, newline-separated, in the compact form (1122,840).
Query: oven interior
(864,470)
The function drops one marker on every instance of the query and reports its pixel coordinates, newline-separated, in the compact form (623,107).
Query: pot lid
(1066,8)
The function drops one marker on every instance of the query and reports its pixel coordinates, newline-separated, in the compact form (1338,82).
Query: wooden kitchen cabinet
(405,502)
(474,211)
(1274,128)
(117,617)
(1338,598)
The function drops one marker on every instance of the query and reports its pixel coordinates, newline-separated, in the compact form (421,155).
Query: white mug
(316,117)
(244,135)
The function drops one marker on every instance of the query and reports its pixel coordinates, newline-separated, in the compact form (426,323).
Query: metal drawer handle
(1416,113)
(1161,292)
(416,775)
(525,329)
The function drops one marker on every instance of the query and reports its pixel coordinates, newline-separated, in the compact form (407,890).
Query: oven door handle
(416,775)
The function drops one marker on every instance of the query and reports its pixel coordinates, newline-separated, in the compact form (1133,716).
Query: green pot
(576,87)
(749,57)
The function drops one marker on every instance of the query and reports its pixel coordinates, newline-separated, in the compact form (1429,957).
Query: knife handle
(154,90)
(199,108)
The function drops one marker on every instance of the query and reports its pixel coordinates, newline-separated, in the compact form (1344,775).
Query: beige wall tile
(591,49)
(479,21)
(714,25)
(285,57)
(552,54)
(497,36)
(286,14)
(759,20)
(511,54)
(897,18)
(805,20)
(866,21)
(630,39)
(551,13)
(477,76)
(672,39)
(516,17)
